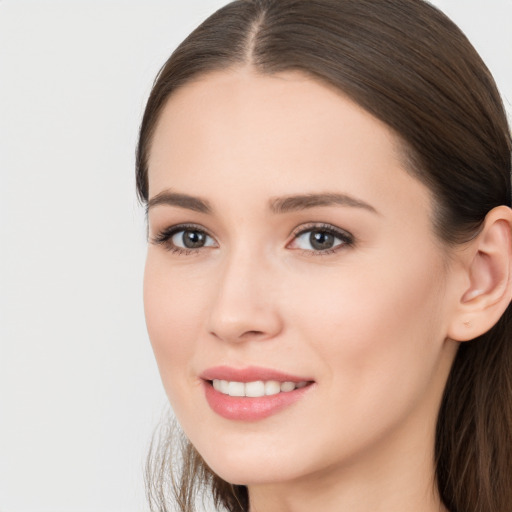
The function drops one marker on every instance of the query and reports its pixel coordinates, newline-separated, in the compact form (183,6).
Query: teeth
(236,389)
(272,387)
(287,386)
(224,387)
(255,389)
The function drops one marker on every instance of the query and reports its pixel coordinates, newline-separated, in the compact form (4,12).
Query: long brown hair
(411,67)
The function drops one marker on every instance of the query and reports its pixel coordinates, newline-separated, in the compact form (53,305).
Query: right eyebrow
(167,197)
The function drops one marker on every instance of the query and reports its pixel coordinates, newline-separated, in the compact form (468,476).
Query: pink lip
(249,374)
(246,408)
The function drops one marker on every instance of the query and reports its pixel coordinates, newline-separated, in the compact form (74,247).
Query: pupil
(193,239)
(321,240)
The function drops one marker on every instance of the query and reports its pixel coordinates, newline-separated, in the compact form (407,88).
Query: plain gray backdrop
(79,390)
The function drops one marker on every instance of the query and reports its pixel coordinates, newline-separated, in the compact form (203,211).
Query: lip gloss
(244,408)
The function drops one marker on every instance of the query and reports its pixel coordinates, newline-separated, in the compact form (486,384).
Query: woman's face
(288,244)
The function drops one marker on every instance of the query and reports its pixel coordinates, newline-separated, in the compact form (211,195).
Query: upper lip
(249,374)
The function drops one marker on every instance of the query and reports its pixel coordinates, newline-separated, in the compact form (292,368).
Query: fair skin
(369,319)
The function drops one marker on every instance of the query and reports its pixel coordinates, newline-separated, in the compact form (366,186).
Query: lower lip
(242,408)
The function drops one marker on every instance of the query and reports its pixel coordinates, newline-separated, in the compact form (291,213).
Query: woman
(328,278)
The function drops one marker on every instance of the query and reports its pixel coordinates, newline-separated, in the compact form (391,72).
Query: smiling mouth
(253,400)
(255,389)
(252,393)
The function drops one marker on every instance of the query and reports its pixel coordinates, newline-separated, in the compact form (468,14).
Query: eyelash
(347,240)
(164,238)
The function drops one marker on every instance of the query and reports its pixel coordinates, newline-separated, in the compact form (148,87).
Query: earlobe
(489,273)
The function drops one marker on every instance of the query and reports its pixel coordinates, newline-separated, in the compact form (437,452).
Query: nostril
(248,335)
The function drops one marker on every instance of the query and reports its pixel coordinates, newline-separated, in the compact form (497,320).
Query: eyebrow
(302,202)
(167,197)
(278,205)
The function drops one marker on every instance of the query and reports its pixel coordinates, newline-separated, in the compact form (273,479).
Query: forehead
(243,104)
(274,134)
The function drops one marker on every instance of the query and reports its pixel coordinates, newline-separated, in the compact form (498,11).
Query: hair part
(408,65)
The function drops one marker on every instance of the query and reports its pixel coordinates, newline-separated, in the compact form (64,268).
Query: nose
(244,305)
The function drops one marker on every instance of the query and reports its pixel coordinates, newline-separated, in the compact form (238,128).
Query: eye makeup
(323,239)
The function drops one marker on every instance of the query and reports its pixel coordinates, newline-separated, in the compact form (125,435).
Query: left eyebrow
(302,202)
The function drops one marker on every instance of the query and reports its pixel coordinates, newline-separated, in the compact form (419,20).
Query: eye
(184,239)
(189,239)
(321,239)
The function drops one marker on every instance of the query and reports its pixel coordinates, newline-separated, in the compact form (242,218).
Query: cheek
(378,328)
(173,318)
(375,339)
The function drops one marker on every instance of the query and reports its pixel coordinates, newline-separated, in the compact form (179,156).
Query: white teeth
(272,387)
(236,389)
(224,387)
(287,386)
(256,388)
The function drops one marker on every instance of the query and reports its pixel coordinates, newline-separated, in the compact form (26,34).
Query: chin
(250,474)
(255,465)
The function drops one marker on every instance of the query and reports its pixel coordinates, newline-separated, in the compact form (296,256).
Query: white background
(79,391)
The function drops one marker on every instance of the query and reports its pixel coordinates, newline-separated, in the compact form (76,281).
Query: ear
(488,271)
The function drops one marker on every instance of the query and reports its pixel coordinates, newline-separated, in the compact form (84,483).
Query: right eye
(189,239)
(184,239)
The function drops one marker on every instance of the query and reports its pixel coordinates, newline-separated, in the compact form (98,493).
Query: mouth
(257,388)
(253,393)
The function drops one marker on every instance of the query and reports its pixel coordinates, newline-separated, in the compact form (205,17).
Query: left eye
(321,239)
